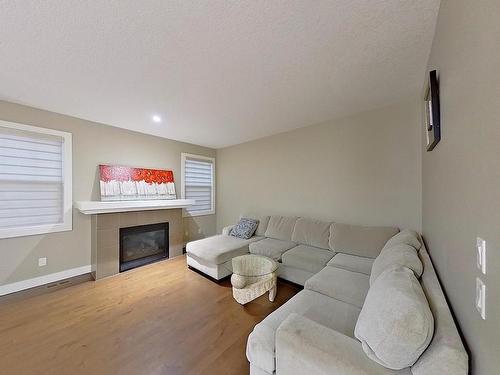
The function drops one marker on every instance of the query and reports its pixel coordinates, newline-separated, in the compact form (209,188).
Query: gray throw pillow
(245,228)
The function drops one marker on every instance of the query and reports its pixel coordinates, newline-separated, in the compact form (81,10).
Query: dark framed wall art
(432,112)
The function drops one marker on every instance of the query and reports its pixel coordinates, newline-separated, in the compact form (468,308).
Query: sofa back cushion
(395,325)
(280,227)
(407,237)
(311,233)
(397,255)
(263,221)
(359,240)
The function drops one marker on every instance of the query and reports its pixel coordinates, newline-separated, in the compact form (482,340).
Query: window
(197,182)
(35,180)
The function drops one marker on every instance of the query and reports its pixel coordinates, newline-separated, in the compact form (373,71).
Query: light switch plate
(42,262)
(481,297)
(481,254)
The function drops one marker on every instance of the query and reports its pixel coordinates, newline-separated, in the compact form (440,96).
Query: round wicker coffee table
(253,275)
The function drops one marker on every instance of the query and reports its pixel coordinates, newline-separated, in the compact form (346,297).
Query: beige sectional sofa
(314,332)
(302,246)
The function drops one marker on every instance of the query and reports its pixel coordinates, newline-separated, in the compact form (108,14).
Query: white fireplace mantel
(98,207)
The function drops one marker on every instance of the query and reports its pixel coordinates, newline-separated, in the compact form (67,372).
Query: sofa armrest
(304,347)
(227,229)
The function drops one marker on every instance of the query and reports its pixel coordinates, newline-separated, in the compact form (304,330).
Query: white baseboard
(42,280)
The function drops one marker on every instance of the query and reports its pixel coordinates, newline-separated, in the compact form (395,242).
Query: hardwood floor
(158,319)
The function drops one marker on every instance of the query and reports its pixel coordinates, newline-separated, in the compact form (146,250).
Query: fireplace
(143,244)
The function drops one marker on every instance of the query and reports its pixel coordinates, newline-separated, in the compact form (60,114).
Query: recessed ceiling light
(156,118)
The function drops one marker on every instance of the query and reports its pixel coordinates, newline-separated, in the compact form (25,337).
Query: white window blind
(198,184)
(33,180)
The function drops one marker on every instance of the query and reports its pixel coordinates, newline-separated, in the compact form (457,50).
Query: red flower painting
(128,183)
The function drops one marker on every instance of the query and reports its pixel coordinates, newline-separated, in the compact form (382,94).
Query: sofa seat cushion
(280,227)
(307,258)
(304,347)
(218,249)
(352,263)
(270,247)
(324,310)
(359,240)
(346,286)
(311,233)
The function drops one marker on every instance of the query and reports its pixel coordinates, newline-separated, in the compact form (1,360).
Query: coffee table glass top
(252,265)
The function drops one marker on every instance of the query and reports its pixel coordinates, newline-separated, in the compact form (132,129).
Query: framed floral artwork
(119,183)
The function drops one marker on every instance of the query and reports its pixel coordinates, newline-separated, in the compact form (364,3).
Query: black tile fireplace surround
(143,244)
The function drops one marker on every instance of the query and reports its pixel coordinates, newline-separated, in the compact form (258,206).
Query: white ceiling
(217,72)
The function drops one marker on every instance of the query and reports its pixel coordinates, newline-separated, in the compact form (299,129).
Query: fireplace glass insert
(142,245)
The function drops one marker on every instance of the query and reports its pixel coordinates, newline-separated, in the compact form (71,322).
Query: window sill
(35,230)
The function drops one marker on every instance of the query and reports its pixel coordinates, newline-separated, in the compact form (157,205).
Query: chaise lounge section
(211,255)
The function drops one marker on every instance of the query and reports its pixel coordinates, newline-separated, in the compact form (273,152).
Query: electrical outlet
(481,297)
(481,254)
(42,262)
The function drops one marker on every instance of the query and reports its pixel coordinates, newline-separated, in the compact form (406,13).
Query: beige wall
(92,144)
(461,176)
(364,169)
